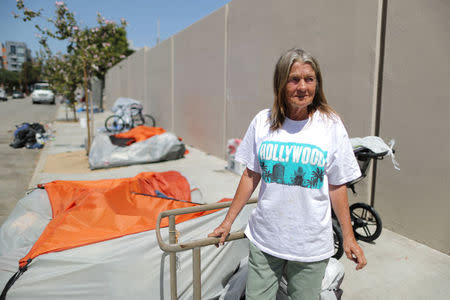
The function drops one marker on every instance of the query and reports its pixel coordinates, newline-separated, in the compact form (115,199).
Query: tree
(63,71)
(9,80)
(30,74)
(316,178)
(94,49)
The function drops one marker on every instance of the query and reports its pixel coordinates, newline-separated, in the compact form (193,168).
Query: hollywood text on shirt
(292,164)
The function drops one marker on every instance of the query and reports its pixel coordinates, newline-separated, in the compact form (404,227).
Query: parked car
(17,95)
(3,96)
(42,93)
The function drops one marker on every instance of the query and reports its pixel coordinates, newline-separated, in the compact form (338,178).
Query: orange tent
(86,212)
(140,133)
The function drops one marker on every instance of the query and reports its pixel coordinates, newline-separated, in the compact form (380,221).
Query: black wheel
(114,123)
(365,221)
(149,121)
(338,240)
(146,120)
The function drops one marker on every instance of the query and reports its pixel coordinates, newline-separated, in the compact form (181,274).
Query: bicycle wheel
(114,123)
(365,221)
(149,121)
(146,120)
(338,240)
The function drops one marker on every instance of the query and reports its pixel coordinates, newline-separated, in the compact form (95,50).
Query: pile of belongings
(96,240)
(377,146)
(123,102)
(139,145)
(29,135)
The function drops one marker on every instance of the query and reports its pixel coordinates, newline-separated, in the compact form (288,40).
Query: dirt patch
(67,163)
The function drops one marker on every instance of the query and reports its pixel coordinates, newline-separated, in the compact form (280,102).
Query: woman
(301,151)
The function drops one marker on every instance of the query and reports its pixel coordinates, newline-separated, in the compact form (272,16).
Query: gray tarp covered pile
(123,102)
(104,154)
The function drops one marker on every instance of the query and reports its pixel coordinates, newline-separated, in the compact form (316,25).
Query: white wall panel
(341,34)
(199,83)
(136,73)
(415,111)
(159,84)
(112,87)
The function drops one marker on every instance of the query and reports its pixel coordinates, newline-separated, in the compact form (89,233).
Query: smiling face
(300,90)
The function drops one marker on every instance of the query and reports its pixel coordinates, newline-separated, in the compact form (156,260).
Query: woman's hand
(355,253)
(247,185)
(339,200)
(222,231)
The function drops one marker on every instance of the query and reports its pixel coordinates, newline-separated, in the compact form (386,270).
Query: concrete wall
(199,83)
(415,111)
(159,87)
(208,81)
(137,75)
(341,34)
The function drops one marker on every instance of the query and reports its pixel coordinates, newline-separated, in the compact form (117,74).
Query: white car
(42,93)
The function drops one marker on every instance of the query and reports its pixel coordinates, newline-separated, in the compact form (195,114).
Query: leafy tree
(94,49)
(9,80)
(316,178)
(265,170)
(30,74)
(63,71)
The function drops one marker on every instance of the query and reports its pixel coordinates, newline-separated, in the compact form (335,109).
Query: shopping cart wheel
(365,221)
(114,123)
(338,240)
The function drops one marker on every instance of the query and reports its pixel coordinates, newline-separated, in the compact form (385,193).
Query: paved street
(17,165)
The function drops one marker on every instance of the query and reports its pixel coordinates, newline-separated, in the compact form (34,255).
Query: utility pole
(86,99)
(157,32)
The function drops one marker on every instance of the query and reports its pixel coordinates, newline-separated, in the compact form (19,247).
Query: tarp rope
(160,195)
(13,279)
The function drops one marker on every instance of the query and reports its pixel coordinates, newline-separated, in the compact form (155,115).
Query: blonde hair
(280,78)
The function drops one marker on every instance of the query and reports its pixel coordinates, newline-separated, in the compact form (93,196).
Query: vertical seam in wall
(149,109)
(128,77)
(378,88)
(225,84)
(172,85)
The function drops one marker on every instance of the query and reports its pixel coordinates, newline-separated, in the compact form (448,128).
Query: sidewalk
(397,267)
(65,158)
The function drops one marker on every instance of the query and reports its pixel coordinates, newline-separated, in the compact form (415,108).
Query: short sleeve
(342,165)
(247,152)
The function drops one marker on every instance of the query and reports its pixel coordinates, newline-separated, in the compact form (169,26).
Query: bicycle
(366,221)
(128,117)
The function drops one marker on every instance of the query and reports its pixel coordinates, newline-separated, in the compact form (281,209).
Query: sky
(141,15)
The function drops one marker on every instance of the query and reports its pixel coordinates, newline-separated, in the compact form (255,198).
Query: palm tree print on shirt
(316,178)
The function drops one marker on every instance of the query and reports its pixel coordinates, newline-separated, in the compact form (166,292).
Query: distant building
(3,57)
(14,54)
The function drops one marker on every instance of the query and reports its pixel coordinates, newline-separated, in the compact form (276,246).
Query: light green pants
(265,271)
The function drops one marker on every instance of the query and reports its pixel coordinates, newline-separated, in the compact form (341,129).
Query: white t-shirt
(297,162)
